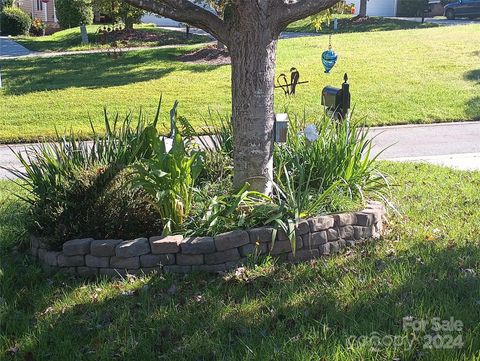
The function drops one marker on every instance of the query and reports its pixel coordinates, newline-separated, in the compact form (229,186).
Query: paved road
(454,145)
(10,48)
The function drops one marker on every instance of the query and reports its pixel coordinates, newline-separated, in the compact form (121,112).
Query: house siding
(47,13)
(377,7)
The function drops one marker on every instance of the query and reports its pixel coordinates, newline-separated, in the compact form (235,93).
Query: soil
(209,55)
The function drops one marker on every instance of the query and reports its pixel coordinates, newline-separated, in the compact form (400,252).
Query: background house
(378,7)
(159,21)
(39,9)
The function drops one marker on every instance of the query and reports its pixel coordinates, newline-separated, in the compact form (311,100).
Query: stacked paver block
(314,237)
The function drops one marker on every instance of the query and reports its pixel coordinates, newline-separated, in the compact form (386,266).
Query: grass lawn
(427,266)
(346,24)
(406,76)
(70,40)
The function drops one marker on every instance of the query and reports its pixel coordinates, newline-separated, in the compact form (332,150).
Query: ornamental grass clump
(331,157)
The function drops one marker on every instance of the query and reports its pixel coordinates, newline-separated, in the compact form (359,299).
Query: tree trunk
(252,50)
(363,9)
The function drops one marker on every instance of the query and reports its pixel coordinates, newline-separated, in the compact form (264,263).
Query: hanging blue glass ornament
(329,57)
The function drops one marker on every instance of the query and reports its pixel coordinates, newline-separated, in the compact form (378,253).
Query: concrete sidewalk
(455,145)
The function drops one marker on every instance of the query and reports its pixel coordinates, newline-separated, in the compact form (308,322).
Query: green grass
(70,40)
(396,77)
(427,266)
(347,24)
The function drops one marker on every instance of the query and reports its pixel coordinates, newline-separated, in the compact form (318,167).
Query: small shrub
(14,21)
(69,182)
(72,13)
(96,203)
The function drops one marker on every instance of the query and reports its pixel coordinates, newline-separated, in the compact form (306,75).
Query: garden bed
(134,202)
(315,237)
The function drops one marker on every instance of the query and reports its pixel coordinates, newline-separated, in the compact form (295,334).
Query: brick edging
(316,236)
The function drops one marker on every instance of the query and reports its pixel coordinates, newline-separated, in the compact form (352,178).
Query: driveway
(442,21)
(10,48)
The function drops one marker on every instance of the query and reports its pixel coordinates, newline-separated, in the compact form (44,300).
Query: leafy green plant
(48,165)
(72,13)
(169,176)
(14,21)
(220,213)
(118,10)
(217,143)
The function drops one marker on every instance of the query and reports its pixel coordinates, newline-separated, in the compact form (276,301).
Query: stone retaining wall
(317,236)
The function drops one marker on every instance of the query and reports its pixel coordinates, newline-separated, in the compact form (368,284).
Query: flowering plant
(38,27)
(311,132)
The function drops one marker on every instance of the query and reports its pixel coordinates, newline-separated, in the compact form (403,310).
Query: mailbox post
(337,100)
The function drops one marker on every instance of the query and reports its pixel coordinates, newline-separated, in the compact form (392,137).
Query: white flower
(311,132)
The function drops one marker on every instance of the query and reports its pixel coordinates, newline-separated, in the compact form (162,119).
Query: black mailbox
(337,100)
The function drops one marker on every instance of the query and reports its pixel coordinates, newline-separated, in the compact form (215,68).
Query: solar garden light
(281,127)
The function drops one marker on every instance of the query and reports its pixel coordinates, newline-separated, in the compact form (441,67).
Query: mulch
(209,55)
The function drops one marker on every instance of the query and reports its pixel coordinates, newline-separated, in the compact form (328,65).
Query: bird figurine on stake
(329,57)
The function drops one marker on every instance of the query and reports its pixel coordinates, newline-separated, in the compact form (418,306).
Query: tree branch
(186,12)
(293,10)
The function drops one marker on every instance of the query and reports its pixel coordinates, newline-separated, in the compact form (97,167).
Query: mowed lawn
(426,266)
(70,39)
(396,77)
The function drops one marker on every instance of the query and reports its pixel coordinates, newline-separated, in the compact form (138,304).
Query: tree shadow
(473,75)
(271,317)
(92,71)
(472,108)
(53,43)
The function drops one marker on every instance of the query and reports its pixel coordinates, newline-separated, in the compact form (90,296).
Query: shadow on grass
(303,312)
(472,108)
(473,75)
(55,44)
(287,314)
(92,71)
(68,39)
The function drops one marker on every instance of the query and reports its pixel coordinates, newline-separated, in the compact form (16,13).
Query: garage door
(379,7)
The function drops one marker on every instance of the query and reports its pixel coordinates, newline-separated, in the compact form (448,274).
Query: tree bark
(250,31)
(253,72)
(363,9)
